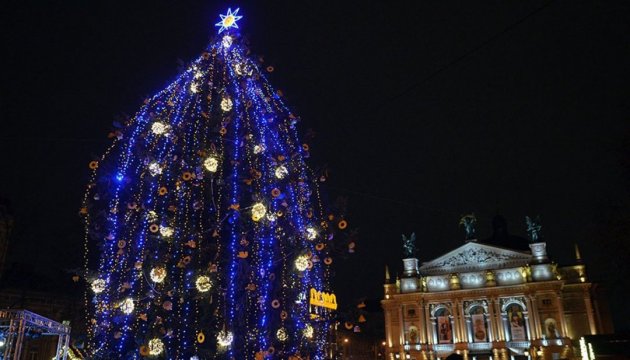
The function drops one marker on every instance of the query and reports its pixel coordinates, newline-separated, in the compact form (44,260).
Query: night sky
(423,112)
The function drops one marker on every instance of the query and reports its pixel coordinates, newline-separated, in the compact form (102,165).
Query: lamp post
(346,348)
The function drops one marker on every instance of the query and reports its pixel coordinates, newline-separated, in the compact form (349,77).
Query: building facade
(489,302)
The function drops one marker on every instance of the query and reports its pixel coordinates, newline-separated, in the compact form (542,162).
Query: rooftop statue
(533,229)
(409,246)
(469,221)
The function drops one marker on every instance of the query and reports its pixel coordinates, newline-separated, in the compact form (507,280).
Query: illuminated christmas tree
(208,223)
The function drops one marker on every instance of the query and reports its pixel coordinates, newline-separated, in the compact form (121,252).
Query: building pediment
(474,256)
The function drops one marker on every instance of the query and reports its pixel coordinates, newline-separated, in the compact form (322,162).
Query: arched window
(517,326)
(478,326)
(477,321)
(444,326)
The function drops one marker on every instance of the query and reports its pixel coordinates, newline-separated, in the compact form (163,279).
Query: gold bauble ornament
(308,331)
(127,306)
(98,286)
(159,128)
(158,274)
(258,211)
(156,347)
(282,334)
(226,104)
(301,263)
(224,338)
(203,283)
(211,163)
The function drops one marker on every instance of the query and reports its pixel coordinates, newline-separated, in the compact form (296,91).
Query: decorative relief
(434,308)
(475,256)
(438,283)
(505,302)
(469,305)
(510,276)
(472,280)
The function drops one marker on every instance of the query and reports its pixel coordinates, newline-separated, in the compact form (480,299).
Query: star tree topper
(228,20)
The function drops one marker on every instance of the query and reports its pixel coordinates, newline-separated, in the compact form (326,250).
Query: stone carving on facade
(433,308)
(438,283)
(472,280)
(518,300)
(475,256)
(469,305)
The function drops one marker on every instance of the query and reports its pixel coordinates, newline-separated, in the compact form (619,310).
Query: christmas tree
(207,222)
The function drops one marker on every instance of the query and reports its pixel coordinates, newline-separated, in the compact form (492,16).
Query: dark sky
(424,111)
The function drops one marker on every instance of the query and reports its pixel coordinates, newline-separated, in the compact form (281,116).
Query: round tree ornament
(258,211)
(203,283)
(127,306)
(282,334)
(224,338)
(158,274)
(211,163)
(156,347)
(98,286)
(302,262)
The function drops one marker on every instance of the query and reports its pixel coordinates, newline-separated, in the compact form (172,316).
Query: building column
(589,313)
(458,335)
(423,323)
(530,319)
(401,333)
(529,325)
(531,303)
(388,326)
(563,323)
(490,319)
(429,325)
(469,327)
(500,334)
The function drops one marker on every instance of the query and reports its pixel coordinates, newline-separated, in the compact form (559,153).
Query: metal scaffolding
(15,323)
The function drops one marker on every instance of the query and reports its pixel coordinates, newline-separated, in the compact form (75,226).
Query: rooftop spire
(578,256)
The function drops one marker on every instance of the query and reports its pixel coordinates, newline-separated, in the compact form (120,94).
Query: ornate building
(485,301)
